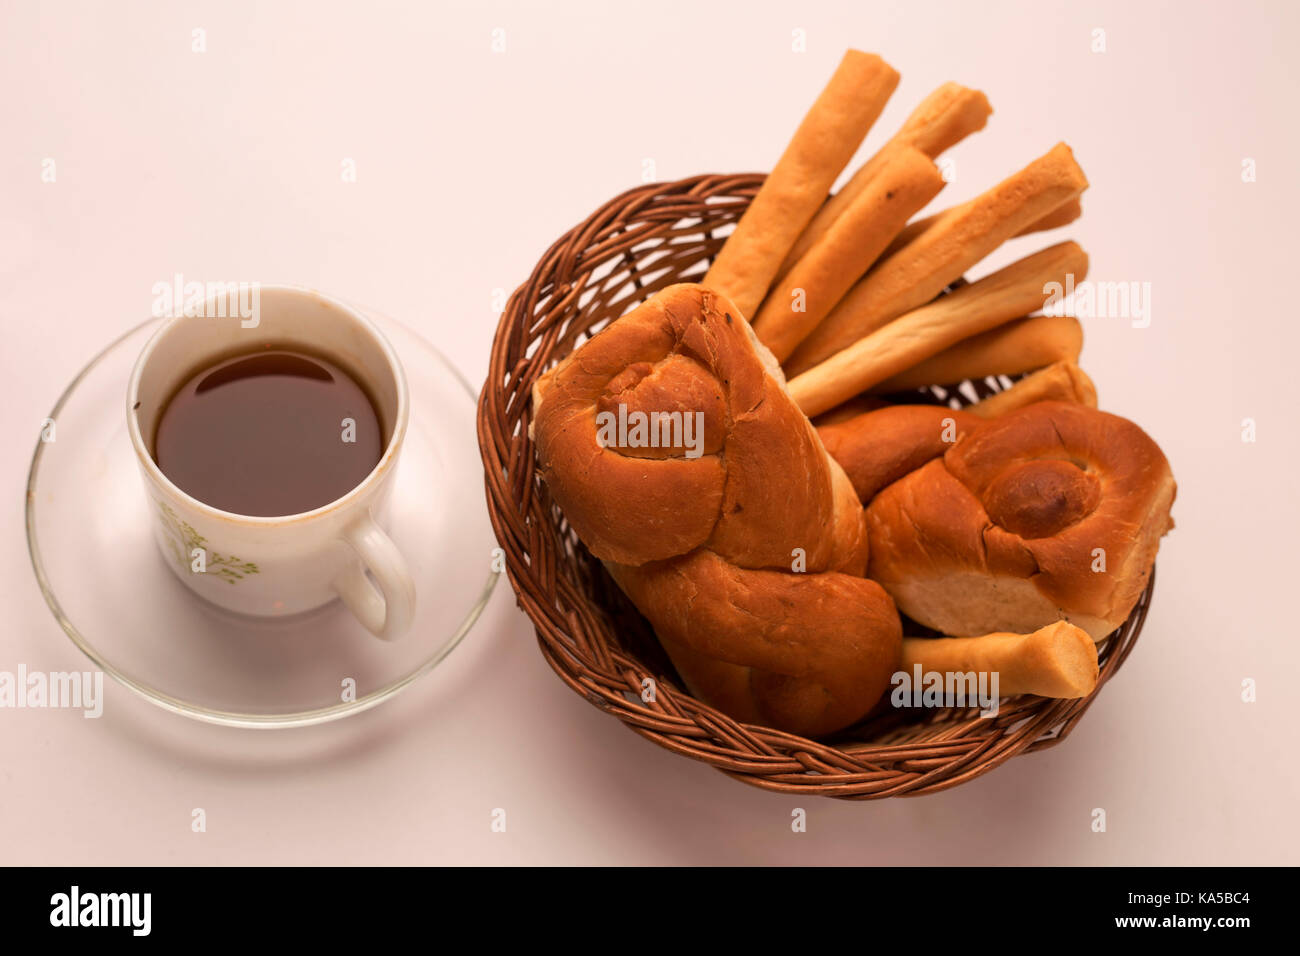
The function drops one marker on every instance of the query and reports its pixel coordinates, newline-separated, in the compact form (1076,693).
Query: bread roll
(747,559)
(1051,512)
(806,653)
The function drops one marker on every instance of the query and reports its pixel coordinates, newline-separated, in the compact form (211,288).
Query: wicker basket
(648,238)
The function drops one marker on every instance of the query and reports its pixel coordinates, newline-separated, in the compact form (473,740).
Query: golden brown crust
(849,530)
(748,559)
(1021,345)
(809,654)
(1058,660)
(879,447)
(1051,512)
(1060,381)
(994,300)
(858,405)
(632,508)
(963,236)
(808,292)
(944,118)
(822,146)
(1062,215)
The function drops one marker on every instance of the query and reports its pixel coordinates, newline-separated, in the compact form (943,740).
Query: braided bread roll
(746,557)
(1050,512)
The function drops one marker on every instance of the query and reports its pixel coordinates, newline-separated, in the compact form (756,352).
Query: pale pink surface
(226,165)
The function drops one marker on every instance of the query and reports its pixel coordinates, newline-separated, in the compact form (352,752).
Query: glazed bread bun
(744,544)
(1050,512)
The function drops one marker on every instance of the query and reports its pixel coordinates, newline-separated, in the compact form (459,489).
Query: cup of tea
(267,423)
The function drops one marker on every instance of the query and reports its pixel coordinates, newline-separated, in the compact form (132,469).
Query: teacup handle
(385,611)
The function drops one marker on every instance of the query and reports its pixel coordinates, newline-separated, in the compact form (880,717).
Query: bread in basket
(744,542)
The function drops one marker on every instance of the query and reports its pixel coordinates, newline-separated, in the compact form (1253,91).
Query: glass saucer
(92,548)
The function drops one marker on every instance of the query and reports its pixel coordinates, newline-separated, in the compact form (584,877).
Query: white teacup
(276,566)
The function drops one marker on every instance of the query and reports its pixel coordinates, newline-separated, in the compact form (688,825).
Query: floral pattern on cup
(183,539)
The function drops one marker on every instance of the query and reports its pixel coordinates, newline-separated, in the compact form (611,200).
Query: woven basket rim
(553,576)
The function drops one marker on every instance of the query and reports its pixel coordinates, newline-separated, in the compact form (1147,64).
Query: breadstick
(1062,215)
(944,118)
(1060,381)
(921,333)
(826,140)
(1059,660)
(1019,346)
(819,280)
(962,237)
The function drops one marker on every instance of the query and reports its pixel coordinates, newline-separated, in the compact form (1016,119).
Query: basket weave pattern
(595,640)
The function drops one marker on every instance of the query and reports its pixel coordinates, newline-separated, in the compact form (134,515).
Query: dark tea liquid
(265,434)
